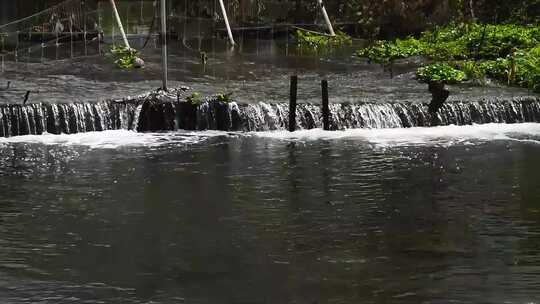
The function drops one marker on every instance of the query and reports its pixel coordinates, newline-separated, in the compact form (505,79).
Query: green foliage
(450,50)
(440,72)
(458,42)
(521,68)
(226,98)
(385,52)
(320,44)
(194,98)
(527,69)
(495,69)
(508,53)
(472,70)
(497,41)
(124,58)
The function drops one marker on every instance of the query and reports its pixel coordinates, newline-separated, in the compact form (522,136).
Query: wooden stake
(325,105)
(292,103)
(164,44)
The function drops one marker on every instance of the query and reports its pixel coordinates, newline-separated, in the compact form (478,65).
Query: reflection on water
(256,219)
(258,71)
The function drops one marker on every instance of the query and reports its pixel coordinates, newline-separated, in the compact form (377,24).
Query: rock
(139,63)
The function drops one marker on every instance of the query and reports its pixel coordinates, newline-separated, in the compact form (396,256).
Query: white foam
(115,139)
(443,135)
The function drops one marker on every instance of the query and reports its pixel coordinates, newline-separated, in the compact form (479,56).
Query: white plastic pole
(326,18)
(164,43)
(117,16)
(227,25)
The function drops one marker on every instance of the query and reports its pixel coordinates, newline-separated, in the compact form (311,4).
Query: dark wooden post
(164,63)
(325,105)
(292,103)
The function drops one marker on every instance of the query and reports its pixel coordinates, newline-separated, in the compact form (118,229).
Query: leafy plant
(496,69)
(194,98)
(125,58)
(441,73)
(226,98)
(508,53)
(385,52)
(497,41)
(472,70)
(458,42)
(527,69)
(317,43)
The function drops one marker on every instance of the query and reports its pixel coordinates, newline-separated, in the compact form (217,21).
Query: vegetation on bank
(440,72)
(194,98)
(125,58)
(320,44)
(507,53)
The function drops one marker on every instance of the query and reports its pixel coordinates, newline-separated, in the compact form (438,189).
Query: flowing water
(258,72)
(419,215)
(70,118)
(385,210)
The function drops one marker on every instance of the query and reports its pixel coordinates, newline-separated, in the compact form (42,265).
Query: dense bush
(385,52)
(528,69)
(440,72)
(458,42)
(508,53)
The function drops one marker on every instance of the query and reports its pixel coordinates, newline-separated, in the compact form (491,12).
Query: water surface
(438,215)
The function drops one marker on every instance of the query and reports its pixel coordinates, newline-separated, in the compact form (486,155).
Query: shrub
(459,42)
(441,73)
(320,44)
(497,41)
(473,70)
(496,69)
(226,98)
(508,53)
(528,69)
(194,98)
(385,52)
(124,58)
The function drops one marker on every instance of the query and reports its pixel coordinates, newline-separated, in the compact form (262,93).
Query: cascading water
(65,118)
(268,117)
(151,113)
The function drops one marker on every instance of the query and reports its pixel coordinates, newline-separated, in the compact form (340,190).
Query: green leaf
(440,72)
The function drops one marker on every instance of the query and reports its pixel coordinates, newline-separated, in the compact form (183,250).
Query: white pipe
(326,18)
(227,25)
(117,16)
(164,44)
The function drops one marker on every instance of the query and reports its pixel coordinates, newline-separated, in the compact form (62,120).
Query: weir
(168,111)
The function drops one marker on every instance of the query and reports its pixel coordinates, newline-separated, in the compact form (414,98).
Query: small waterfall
(71,118)
(266,117)
(148,113)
